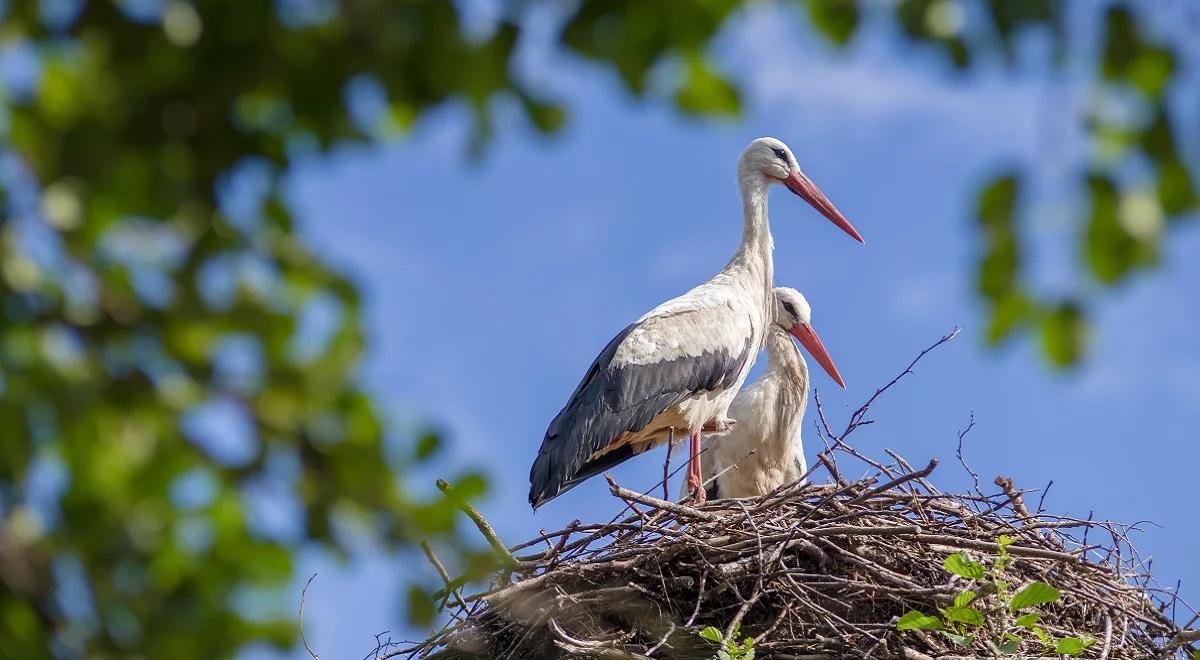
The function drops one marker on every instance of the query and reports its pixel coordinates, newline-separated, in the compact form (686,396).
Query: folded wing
(656,363)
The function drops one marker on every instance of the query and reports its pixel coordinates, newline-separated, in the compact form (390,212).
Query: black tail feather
(544,488)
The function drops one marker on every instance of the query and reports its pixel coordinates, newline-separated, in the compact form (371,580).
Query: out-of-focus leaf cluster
(179,396)
(1121,217)
(1136,180)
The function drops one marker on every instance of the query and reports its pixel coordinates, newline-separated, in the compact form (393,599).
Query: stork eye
(781,155)
(790,308)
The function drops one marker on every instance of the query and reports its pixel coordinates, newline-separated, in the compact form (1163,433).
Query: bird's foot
(719,425)
(696,493)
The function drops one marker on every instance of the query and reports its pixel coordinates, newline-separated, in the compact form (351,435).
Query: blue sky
(490,287)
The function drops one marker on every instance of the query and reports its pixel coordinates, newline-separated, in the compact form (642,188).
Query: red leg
(695,474)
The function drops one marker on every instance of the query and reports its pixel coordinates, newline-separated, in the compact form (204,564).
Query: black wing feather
(610,401)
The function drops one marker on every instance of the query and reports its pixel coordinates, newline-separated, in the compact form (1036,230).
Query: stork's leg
(695,476)
(666,483)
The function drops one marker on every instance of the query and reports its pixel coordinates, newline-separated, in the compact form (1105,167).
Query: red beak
(812,343)
(800,184)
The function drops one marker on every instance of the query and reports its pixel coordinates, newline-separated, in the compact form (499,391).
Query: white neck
(787,367)
(753,261)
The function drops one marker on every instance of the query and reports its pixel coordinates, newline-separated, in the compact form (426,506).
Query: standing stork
(764,450)
(679,366)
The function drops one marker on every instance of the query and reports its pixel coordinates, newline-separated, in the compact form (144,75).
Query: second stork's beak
(800,184)
(812,343)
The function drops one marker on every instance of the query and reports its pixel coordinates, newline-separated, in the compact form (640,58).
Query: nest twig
(812,571)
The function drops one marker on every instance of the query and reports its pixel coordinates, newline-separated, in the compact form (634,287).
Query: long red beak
(800,184)
(812,343)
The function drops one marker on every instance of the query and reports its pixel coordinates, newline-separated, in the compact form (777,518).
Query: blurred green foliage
(172,372)
(139,304)
(1121,217)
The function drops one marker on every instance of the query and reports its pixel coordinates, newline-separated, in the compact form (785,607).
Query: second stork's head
(793,315)
(772,159)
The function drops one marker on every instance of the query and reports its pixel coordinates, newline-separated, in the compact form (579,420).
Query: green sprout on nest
(994,615)
(730,649)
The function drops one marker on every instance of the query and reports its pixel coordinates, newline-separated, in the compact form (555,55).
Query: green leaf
(1064,335)
(963,566)
(1121,42)
(1043,636)
(427,445)
(964,598)
(1009,647)
(995,212)
(1037,593)
(713,634)
(420,608)
(705,92)
(1112,249)
(914,620)
(836,19)
(1028,621)
(1195,655)
(1073,646)
(1176,192)
(966,615)
(722,654)
(1129,57)
(964,641)
(1152,70)
(1009,312)
(546,117)
(1004,540)
(997,202)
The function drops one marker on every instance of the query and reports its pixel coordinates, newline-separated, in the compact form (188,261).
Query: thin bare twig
(300,617)
(959,453)
(451,588)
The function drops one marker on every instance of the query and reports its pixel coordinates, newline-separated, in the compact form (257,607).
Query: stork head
(771,158)
(793,315)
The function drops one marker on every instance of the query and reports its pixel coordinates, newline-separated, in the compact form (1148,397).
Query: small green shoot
(964,615)
(914,620)
(964,641)
(1037,593)
(996,619)
(963,566)
(1027,621)
(729,649)
(1073,646)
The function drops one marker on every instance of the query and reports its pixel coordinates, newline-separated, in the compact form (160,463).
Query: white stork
(679,366)
(764,450)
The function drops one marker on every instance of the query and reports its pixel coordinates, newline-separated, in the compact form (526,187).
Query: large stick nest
(812,571)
